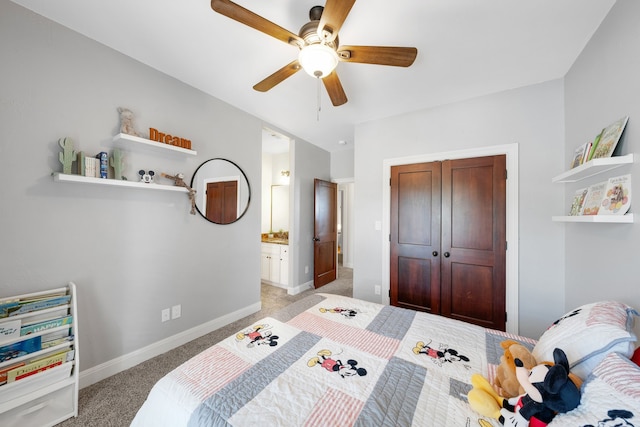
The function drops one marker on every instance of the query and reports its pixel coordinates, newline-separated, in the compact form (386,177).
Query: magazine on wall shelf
(594,198)
(617,197)
(609,139)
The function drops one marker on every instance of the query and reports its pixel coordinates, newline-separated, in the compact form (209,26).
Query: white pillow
(587,334)
(610,397)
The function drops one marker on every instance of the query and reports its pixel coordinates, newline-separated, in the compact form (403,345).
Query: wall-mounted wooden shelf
(61,177)
(593,167)
(620,219)
(124,140)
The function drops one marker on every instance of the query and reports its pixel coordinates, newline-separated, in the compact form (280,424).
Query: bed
(329,360)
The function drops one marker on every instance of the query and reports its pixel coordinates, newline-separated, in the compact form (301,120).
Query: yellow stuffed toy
(506,370)
(483,398)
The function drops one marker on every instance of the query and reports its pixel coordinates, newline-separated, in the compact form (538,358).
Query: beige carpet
(114,401)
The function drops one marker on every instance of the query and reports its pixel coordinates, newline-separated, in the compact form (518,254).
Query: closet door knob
(434,253)
(446,254)
(316,239)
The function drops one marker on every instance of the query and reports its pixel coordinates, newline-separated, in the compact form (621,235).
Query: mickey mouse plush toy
(548,390)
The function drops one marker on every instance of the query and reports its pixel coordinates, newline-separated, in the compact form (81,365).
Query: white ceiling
(466,48)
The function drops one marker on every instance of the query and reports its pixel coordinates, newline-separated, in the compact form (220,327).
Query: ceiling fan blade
(245,16)
(380,55)
(333,16)
(277,77)
(334,89)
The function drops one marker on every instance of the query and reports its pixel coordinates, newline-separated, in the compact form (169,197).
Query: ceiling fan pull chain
(318,90)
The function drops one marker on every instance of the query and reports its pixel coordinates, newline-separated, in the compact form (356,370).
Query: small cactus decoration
(68,155)
(117,163)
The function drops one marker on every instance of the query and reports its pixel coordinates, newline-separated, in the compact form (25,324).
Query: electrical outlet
(377,289)
(306,269)
(176,311)
(166,315)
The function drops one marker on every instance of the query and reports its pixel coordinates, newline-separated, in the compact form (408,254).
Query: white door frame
(511,152)
(347,233)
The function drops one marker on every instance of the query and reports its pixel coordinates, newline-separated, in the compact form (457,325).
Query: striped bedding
(329,360)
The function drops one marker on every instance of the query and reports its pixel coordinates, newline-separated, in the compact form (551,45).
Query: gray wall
(530,116)
(342,164)
(131,252)
(309,162)
(602,86)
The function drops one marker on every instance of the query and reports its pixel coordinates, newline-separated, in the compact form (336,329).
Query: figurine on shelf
(68,155)
(117,163)
(126,122)
(146,177)
(178,179)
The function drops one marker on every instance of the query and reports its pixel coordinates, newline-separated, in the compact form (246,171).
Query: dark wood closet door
(448,239)
(474,240)
(415,236)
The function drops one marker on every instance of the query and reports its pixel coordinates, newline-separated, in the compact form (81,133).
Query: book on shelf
(27,306)
(44,325)
(578,155)
(609,139)
(39,365)
(593,199)
(56,341)
(3,371)
(587,152)
(617,196)
(9,329)
(81,163)
(20,348)
(91,166)
(592,148)
(102,164)
(578,202)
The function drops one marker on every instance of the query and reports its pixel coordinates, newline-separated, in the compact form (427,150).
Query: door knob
(434,253)
(446,254)
(316,239)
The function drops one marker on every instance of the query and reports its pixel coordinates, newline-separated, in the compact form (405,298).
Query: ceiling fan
(317,40)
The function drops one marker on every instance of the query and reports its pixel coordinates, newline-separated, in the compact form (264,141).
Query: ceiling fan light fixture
(318,60)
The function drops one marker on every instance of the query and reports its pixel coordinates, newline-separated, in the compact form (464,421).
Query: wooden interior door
(473,283)
(222,201)
(415,236)
(448,239)
(325,240)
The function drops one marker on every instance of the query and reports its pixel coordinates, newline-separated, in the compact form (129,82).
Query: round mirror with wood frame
(222,191)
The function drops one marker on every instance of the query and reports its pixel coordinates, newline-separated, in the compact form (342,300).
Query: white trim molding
(122,363)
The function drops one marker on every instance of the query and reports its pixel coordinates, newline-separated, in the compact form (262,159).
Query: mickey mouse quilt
(330,360)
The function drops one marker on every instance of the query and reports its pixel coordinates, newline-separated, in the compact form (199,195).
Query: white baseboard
(119,364)
(300,288)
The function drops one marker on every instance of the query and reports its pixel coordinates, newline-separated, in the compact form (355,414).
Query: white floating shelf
(61,177)
(593,167)
(124,140)
(620,219)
